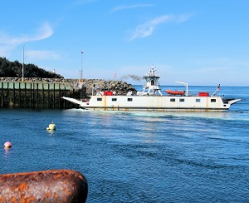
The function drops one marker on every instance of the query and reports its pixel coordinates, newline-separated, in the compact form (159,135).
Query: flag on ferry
(218,87)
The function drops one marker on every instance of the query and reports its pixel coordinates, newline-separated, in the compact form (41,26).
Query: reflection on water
(136,156)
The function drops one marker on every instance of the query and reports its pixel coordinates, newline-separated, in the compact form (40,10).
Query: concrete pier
(36,94)
(48,93)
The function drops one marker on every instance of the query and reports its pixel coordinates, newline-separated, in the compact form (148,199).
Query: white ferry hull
(154,103)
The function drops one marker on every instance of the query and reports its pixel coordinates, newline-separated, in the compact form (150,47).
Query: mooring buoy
(7,145)
(51,126)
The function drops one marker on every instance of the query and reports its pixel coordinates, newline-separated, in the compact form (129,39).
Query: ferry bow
(152,99)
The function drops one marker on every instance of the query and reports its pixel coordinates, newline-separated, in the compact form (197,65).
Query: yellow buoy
(51,126)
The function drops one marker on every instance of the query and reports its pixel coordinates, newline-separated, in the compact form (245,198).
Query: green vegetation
(14,69)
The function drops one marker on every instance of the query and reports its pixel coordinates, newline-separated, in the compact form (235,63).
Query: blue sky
(202,42)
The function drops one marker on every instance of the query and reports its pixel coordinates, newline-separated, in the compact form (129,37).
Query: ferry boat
(151,99)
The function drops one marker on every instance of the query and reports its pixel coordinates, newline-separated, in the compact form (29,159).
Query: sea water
(137,156)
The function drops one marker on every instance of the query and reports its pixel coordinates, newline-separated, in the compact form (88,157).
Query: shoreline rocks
(120,87)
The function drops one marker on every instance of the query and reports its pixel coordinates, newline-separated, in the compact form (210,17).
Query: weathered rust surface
(43,186)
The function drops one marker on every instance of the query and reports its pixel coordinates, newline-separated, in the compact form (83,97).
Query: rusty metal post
(44,186)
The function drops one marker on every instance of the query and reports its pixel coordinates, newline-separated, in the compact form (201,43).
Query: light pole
(23,63)
(81,72)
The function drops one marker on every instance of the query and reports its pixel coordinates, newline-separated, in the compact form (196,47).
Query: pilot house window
(172,100)
(99,99)
(129,99)
(181,100)
(213,100)
(114,99)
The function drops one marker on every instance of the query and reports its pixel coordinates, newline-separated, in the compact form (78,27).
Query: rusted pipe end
(44,186)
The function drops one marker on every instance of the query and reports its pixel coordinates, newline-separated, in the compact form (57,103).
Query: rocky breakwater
(117,87)
(34,79)
(48,92)
(89,86)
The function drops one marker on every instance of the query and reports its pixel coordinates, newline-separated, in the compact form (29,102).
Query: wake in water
(233,115)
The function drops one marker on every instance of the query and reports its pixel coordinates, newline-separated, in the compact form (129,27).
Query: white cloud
(41,55)
(8,42)
(125,7)
(45,31)
(146,29)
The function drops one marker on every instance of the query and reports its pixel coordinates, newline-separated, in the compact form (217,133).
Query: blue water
(138,156)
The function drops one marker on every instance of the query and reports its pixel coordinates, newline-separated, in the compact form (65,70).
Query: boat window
(114,99)
(129,99)
(213,100)
(181,100)
(198,100)
(99,99)
(172,99)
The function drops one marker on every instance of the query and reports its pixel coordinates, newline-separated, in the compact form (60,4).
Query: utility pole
(23,63)
(81,72)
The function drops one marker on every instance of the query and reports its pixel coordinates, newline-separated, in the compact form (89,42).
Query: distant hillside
(14,69)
